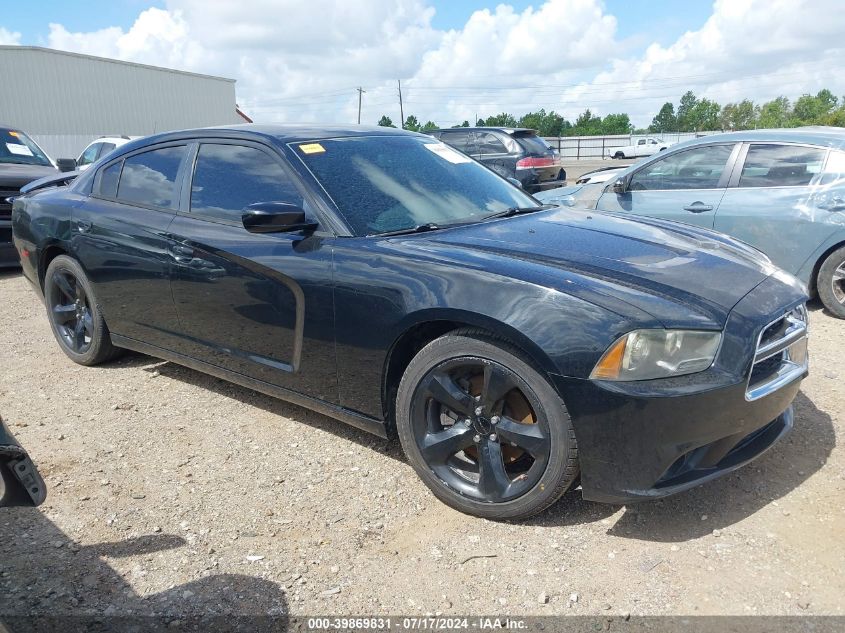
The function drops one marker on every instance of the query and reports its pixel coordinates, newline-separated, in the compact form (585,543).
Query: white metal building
(66,100)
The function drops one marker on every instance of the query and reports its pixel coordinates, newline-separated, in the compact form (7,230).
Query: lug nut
(476,438)
(493,437)
(468,422)
(478,410)
(494,419)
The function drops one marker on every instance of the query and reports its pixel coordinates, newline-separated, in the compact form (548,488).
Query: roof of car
(506,130)
(816,135)
(283,133)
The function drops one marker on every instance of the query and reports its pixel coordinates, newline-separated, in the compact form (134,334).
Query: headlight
(647,354)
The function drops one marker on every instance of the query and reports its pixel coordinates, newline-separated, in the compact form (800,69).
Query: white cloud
(9,37)
(302,61)
(157,37)
(748,48)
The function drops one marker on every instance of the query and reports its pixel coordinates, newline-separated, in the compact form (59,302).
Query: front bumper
(634,448)
(648,439)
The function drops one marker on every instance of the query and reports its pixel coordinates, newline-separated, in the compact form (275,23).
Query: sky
(300,61)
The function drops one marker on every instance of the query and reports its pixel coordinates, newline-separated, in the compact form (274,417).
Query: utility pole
(360,92)
(401,111)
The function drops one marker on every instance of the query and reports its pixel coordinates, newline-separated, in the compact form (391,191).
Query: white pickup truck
(643,147)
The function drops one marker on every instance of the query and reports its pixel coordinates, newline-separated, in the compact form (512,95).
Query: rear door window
(149,178)
(772,165)
(489,143)
(228,178)
(698,168)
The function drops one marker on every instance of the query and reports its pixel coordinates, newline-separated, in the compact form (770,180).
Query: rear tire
(74,314)
(485,431)
(831,283)
(619,155)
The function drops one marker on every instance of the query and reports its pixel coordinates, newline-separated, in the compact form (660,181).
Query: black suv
(21,161)
(511,152)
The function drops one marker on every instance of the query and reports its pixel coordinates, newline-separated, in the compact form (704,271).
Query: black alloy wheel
(483,428)
(70,312)
(74,313)
(477,431)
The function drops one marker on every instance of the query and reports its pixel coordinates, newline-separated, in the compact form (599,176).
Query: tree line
(692,114)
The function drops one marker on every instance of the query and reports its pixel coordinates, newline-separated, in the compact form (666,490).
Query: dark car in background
(385,279)
(517,153)
(21,161)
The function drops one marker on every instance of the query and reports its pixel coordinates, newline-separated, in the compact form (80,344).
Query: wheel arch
(48,254)
(427,326)
(814,276)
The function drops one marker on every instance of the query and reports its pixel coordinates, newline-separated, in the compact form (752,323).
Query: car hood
(666,269)
(16,176)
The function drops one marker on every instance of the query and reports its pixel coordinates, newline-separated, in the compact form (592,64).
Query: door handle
(835,204)
(182,253)
(698,207)
(83,226)
(181,250)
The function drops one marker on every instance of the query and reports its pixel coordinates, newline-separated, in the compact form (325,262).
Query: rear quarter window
(109,178)
(533,144)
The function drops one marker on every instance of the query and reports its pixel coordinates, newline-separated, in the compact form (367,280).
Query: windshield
(391,183)
(17,148)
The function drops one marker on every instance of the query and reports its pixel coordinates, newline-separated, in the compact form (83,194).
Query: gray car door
(777,201)
(684,186)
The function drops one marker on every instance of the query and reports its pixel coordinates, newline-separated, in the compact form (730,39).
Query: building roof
(53,51)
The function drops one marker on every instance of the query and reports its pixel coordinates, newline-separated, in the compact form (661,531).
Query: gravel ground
(172,492)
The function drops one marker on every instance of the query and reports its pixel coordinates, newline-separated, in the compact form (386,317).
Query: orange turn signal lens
(610,364)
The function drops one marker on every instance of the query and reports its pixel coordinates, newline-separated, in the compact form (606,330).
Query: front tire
(831,283)
(74,315)
(485,431)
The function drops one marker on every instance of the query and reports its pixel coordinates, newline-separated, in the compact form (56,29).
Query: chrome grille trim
(791,329)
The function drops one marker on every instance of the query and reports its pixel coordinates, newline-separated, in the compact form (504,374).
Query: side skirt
(363,422)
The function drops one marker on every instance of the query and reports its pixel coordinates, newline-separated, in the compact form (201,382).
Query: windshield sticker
(447,153)
(312,148)
(20,150)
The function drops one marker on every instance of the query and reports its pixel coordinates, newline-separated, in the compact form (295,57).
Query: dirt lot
(173,492)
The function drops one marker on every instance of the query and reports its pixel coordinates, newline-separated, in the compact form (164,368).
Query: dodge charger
(383,278)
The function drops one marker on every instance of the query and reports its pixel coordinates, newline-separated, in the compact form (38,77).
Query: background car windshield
(18,148)
(390,183)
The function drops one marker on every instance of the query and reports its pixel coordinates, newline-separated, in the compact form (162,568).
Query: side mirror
(66,164)
(619,186)
(20,482)
(515,182)
(275,217)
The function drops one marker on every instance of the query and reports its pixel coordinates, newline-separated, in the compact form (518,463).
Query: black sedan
(383,278)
